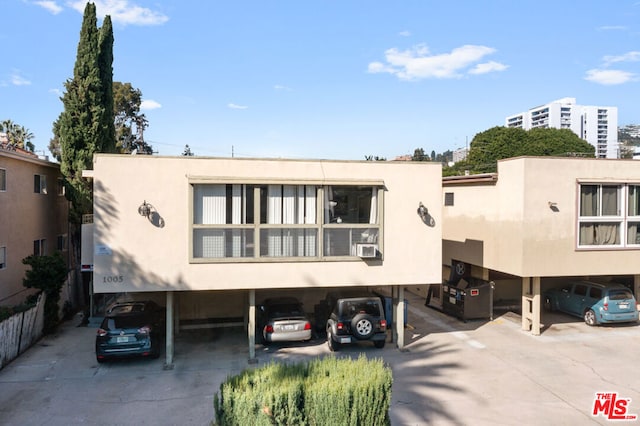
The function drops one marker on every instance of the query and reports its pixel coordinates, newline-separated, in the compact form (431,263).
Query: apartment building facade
(597,125)
(540,221)
(210,238)
(33,217)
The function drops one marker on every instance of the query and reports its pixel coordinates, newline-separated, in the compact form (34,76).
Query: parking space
(450,372)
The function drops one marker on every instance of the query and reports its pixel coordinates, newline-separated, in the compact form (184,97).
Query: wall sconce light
(422,211)
(145,209)
(150,212)
(553,206)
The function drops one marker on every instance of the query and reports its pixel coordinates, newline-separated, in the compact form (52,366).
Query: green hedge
(328,391)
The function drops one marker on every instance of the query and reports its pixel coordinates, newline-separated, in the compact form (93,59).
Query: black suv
(359,317)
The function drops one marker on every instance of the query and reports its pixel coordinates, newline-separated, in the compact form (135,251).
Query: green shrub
(326,391)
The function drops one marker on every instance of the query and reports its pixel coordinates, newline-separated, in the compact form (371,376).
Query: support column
(168,364)
(251,327)
(636,288)
(399,318)
(531,297)
(394,315)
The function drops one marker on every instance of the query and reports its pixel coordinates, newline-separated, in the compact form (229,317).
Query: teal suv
(596,303)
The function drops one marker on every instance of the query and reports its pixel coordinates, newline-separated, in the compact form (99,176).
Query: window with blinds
(277,221)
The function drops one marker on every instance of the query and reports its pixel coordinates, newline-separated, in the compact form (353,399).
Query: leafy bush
(328,391)
(48,274)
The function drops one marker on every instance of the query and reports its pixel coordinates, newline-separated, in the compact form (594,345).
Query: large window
(275,221)
(3,180)
(350,218)
(609,215)
(3,257)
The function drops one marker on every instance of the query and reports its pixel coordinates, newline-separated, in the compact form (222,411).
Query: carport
(173,323)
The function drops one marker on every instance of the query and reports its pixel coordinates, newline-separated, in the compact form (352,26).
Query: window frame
(40,247)
(40,184)
(319,226)
(623,219)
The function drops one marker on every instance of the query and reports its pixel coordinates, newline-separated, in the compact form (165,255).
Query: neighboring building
(540,221)
(460,154)
(597,125)
(33,217)
(211,237)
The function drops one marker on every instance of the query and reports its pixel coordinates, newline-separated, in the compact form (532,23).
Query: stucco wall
(510,226)
(152,258)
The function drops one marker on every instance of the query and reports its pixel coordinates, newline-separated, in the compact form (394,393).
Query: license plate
(345,340)
(120,339)
(289,327)
(623,305)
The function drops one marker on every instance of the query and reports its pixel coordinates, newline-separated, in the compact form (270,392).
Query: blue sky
(336,79)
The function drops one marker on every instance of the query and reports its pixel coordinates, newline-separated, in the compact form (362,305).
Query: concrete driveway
(451,373)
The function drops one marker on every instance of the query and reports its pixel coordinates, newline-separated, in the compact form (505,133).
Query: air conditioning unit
(366,250)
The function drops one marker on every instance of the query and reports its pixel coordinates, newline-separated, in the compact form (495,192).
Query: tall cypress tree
(86,125)
(105,63)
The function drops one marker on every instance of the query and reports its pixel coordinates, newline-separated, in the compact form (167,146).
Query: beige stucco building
(538,221)
(33,218)
(210,237)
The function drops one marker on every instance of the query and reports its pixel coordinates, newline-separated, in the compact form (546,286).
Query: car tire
(362,326)
(379,344)
(333,345)
(590,317)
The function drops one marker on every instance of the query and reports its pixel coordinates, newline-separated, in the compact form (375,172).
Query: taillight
(606,306)
(144,330)
(102,332)
(383,325)
(340,326)
(268,329)
(307,325)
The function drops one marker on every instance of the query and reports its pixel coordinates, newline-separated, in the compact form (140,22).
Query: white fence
(20,331)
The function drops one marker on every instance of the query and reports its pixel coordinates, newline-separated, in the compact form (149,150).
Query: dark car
(354,318)
(283,320)
(594,302)
(131,329)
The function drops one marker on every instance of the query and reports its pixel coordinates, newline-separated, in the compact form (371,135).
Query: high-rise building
(597,125)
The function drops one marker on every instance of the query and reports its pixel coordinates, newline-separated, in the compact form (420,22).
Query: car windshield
(124,321)
(621,294)
(352,307)
(285,309)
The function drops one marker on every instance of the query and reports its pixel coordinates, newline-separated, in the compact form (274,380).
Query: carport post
(168,364)
(399,318)
(636,287)
(251,327)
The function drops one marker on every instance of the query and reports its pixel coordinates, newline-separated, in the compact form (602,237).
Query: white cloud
(404,34)
(18,80)
(123,12)
(149,104)
(56,92)
(417,63)
(612,28)
(488,67)
(633,56)
(50,5)
(235,106)
(281,87)
(610,77)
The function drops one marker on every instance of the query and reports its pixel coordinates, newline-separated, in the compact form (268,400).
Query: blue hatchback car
(594,302)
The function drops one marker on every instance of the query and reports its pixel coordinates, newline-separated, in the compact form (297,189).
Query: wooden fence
(21,331)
